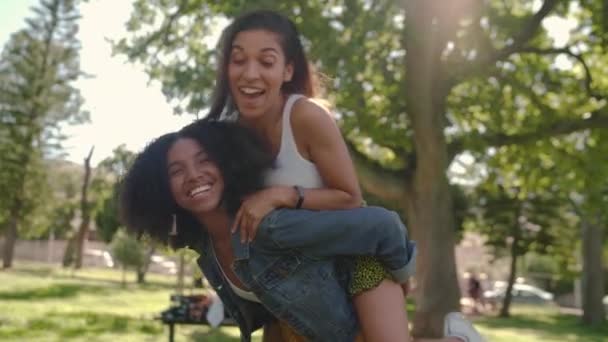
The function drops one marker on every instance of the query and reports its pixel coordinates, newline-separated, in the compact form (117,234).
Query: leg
(272,332)
(382,314)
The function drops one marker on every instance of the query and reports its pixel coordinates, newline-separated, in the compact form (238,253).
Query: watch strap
(300,193)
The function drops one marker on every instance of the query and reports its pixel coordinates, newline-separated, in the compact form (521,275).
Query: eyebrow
(266,49)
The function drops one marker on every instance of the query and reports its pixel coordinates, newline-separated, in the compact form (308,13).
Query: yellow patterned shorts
(369,273)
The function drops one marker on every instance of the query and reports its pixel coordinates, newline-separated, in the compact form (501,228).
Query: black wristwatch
(300,192)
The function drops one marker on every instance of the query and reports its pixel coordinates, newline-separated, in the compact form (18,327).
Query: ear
(288,73)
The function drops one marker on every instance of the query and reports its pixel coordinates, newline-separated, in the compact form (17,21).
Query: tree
(428,80)
(516,219)
(85,212)
(37,69)
(587,191)
(127,251)
(105,189)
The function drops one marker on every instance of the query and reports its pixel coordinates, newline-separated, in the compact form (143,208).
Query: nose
(192,173)
(251,71)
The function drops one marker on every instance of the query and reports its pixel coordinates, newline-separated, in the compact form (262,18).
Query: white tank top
(248,295)
(290,168)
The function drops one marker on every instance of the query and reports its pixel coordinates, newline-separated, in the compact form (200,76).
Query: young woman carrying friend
(192,183)
(265,83)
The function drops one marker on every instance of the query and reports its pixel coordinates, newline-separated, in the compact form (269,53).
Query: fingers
(244,226)
(247,222)
(253,228)
(237,220)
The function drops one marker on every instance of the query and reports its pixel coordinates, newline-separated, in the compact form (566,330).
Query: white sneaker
(456,325)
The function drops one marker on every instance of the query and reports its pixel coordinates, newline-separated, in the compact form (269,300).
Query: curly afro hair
(146,203)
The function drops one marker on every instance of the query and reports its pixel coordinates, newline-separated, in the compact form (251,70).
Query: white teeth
(199,190)
(250,91)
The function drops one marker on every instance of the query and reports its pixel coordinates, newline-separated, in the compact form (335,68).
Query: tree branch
(597,119)
(566,50)
(386,185)
(492,55)
(163,32)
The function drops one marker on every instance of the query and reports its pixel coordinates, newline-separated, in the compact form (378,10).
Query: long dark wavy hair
(147,205)
(304,80)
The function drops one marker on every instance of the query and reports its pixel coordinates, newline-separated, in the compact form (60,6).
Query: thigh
(272,332)
(382,313)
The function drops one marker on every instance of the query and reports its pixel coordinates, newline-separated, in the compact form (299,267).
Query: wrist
(286,197)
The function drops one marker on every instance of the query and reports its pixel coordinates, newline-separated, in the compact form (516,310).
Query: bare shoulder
(308,113)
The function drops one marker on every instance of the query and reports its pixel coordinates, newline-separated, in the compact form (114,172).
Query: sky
(125,107)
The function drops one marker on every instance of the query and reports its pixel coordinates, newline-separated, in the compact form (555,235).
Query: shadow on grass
(53,291)
(214,335)
(546,325)
(68,325)
(67,275)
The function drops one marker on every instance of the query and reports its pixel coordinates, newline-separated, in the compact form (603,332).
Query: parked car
(605,301)
(522,294)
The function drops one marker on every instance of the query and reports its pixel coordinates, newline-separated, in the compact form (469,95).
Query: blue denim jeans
(291,264)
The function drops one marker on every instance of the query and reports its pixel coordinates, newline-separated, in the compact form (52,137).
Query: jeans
(291,264)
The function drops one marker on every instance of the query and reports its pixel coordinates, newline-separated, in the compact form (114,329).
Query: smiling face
(257,69)
(195,181)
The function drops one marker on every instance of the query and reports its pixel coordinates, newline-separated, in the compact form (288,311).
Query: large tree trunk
(83,230)
(430,216)
(506,303)
(593,276)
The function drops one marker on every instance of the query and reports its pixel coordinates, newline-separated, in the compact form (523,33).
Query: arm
(319,140)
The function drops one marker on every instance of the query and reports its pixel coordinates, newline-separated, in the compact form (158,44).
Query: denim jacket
(292,267)
(248,315)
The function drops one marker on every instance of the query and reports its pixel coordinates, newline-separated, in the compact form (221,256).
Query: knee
(388,219)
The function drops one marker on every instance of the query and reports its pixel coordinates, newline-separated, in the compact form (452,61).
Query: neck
(265,125)
(217,223)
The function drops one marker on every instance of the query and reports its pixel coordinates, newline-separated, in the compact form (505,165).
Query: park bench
(181,312)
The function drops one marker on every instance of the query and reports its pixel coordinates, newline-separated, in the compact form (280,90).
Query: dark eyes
(265,62)
(203,161)
(175,171)
(238,61)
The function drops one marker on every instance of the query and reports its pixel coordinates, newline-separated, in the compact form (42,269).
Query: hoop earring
(173,231)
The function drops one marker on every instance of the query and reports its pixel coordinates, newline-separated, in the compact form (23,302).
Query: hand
(199,307)
(253,209)
(406,288)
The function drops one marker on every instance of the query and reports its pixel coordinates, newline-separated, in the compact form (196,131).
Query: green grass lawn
(528,324)
(38,303)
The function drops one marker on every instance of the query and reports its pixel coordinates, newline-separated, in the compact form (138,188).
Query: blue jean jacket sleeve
(372,231)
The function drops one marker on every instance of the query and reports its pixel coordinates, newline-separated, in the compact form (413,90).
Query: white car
(522,293)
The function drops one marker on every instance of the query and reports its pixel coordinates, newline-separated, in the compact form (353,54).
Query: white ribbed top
(290,167)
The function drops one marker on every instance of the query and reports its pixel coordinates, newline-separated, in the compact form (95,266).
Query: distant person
(475,292)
